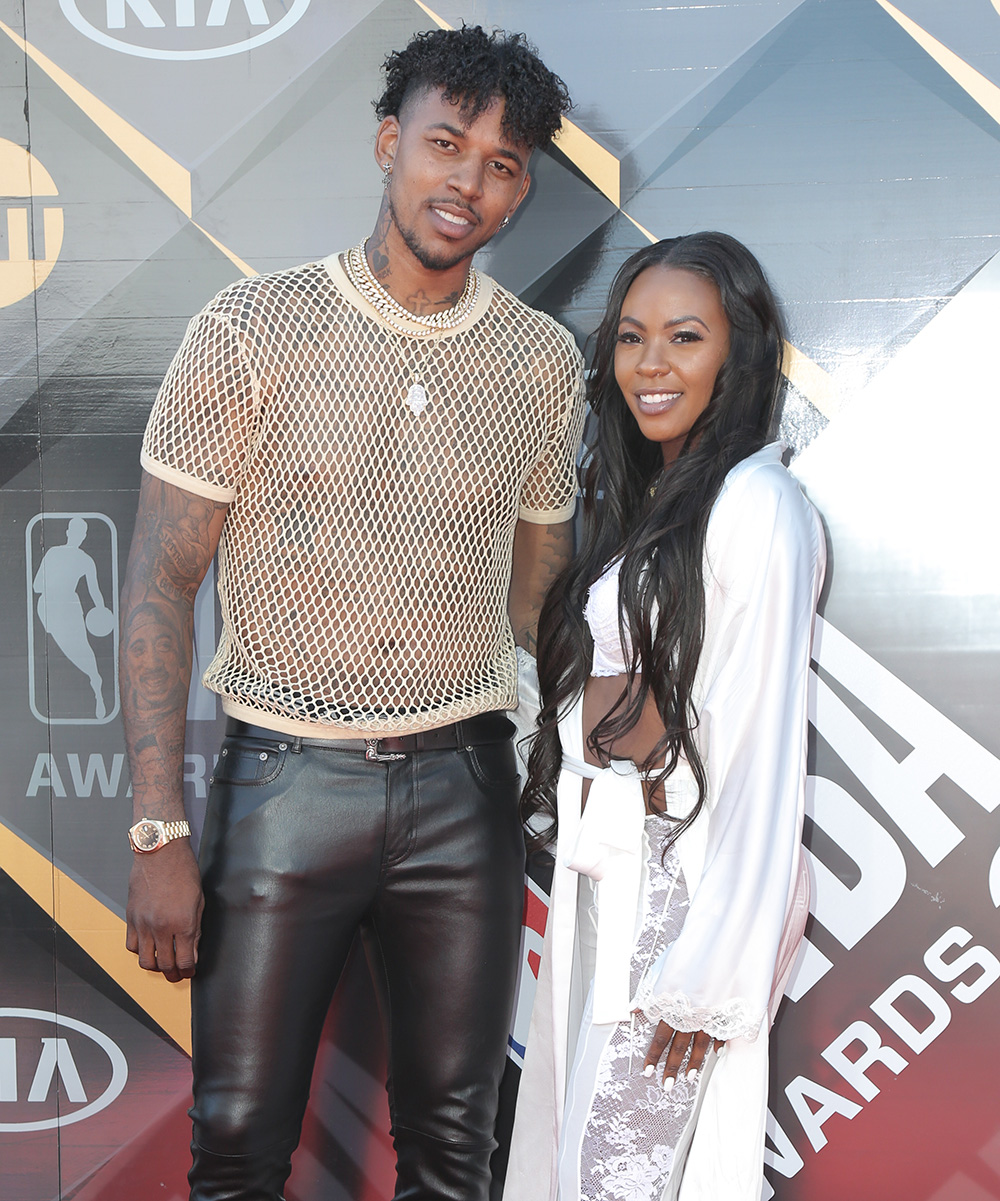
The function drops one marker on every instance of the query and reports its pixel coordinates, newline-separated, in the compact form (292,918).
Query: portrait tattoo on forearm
(174,541)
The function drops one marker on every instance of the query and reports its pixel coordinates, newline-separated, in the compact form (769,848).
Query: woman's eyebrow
(625,320)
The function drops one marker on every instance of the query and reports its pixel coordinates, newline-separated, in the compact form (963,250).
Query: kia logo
(182,29)
(65,1063)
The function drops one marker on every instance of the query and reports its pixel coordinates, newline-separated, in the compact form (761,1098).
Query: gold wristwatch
(150,835)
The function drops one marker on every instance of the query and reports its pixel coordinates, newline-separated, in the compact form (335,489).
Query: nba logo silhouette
(72,602)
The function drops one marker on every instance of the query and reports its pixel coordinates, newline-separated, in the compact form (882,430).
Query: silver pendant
(416,398)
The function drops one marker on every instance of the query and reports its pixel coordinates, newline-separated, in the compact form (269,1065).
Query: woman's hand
(680,1043)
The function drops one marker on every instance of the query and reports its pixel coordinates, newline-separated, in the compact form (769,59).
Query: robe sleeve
(765,558)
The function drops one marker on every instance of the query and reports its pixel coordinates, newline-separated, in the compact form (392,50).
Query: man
(382,446)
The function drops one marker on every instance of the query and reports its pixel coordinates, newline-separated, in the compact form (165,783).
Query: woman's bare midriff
(599,695)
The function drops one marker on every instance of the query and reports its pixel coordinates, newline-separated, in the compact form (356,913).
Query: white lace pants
(622,1134)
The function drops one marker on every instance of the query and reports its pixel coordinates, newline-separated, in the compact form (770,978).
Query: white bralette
(601,614)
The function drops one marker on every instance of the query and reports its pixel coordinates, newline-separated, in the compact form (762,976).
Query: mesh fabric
(365,561)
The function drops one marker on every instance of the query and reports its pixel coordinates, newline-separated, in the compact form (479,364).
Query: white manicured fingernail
(649,1069)
(693,1074)
(668,1084)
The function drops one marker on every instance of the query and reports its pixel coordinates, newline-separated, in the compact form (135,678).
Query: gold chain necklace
(392,312)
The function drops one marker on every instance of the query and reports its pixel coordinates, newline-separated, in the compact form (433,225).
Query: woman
(673,664)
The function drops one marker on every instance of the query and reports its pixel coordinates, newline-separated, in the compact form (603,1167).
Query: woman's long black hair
(660,538)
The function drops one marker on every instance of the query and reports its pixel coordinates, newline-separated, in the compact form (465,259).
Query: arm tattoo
(175,538)
(549,549)
(555,553)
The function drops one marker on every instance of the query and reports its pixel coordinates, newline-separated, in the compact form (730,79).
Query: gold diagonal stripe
(99,932)
(808,377)
(233,257)
(440,22)
(599,165)
(985,93)
(173,180)
(641,228)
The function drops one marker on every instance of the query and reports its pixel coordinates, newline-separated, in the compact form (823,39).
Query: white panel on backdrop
(72,608)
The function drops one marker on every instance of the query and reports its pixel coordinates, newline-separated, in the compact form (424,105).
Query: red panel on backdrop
(152,1164)
(345,1148)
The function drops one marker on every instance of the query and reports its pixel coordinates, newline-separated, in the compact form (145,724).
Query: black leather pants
(303,846)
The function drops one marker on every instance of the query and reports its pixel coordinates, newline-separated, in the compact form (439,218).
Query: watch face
(146,835)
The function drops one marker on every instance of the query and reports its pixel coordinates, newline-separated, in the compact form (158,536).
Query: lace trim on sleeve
(735,1019)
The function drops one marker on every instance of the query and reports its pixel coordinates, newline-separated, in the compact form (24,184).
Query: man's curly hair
(475,68)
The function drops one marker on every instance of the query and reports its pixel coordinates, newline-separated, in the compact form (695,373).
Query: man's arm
(540,553)
(176,534)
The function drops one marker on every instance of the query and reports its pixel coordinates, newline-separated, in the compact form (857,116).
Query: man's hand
(163,915)
(680,1043)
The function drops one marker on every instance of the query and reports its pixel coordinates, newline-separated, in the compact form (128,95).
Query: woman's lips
(653,403)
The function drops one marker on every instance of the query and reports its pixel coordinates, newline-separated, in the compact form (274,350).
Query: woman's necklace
(392,313)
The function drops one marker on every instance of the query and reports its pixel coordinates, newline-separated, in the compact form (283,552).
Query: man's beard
(427,260)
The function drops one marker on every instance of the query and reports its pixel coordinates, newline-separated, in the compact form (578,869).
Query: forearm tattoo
(175,538)
(553,551)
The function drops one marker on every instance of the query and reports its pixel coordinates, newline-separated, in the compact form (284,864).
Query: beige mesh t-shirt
(365,560)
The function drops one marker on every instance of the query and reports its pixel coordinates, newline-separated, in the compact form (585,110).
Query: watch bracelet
(176,829)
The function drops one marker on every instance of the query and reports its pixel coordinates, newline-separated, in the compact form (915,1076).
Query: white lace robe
(741,859)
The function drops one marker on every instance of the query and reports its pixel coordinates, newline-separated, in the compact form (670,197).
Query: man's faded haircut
(475,68)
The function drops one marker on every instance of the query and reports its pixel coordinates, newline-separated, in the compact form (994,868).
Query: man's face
(154,658)
(453,182)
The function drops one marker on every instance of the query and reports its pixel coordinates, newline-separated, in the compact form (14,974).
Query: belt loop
(461,736)
(295,746)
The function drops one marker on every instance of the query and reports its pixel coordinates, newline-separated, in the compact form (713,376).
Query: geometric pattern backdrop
(151,151)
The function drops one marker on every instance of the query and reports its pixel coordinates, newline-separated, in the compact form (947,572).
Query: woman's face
(673,336)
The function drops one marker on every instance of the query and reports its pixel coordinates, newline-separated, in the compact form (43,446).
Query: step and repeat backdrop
(151,151)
